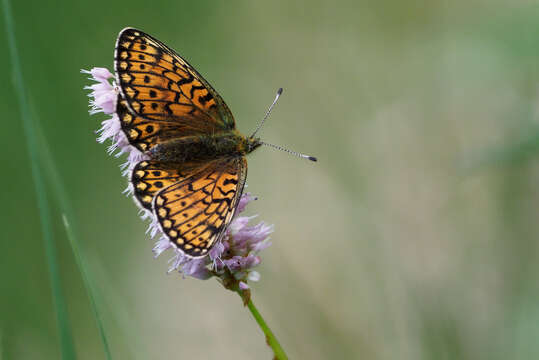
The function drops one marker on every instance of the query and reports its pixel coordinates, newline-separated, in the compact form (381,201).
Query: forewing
(144,133)
(158,84)
(194,212)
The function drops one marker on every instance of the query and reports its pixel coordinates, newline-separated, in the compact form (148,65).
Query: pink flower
(103,94)
(103,98)
(232,259)
(247,198)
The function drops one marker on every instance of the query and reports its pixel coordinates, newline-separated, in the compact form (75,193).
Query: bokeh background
(413,237)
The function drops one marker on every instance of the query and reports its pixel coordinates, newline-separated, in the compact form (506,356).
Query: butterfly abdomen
(199,148)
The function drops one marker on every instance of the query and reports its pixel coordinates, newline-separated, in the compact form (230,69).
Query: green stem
(64,330)
(88,284)
(67,215)
(271,340)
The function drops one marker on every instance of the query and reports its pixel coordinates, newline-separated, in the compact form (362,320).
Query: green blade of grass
(70,226)
(87,284)
(64,330)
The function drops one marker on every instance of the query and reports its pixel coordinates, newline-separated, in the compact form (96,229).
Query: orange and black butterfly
(196,170)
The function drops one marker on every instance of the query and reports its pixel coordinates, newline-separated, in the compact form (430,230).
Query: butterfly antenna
(312,158)
(279,92)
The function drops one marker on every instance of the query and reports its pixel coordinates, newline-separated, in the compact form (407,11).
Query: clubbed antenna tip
(279,92)
(295,153)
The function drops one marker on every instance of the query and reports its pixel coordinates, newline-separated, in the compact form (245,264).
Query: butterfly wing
(148,177)
(193,203)
(144,133)
(160,86)
(161,98)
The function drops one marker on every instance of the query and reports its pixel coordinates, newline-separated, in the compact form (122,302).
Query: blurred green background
(413,237)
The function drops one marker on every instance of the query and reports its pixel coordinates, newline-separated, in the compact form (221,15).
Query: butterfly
(196,168)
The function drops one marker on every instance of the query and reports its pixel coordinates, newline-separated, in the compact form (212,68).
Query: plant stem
(64,329)
(88,284)
(59,190)
(271,340)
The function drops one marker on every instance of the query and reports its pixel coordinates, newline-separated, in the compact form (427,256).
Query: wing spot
(127,118)
(173,233)
(141,57)
(153,93)
(142,47)
(188,247)
(204,99)
(149,128)
(185,214)
(183,203)
(156,173)
(136,106)
(162,212)
(146,79)
(130,92)
(167,223)
(194,232)
(142,66)
(158,184)
(154,106)
(160,200)
(230,181)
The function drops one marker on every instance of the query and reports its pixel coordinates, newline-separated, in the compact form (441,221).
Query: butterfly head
(252,144)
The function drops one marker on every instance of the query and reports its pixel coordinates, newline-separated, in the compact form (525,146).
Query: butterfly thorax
(203,148)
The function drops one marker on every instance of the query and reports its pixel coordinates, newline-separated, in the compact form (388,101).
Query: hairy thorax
(200,148)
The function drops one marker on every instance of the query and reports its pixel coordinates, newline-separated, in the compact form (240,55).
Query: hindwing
(192,203)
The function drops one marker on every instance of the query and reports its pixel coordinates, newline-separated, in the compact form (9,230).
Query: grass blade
(65,207)
(87,284)
(64,329)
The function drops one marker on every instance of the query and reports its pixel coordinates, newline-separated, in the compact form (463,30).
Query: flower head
(104,94)
(103,98)
(234,257)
